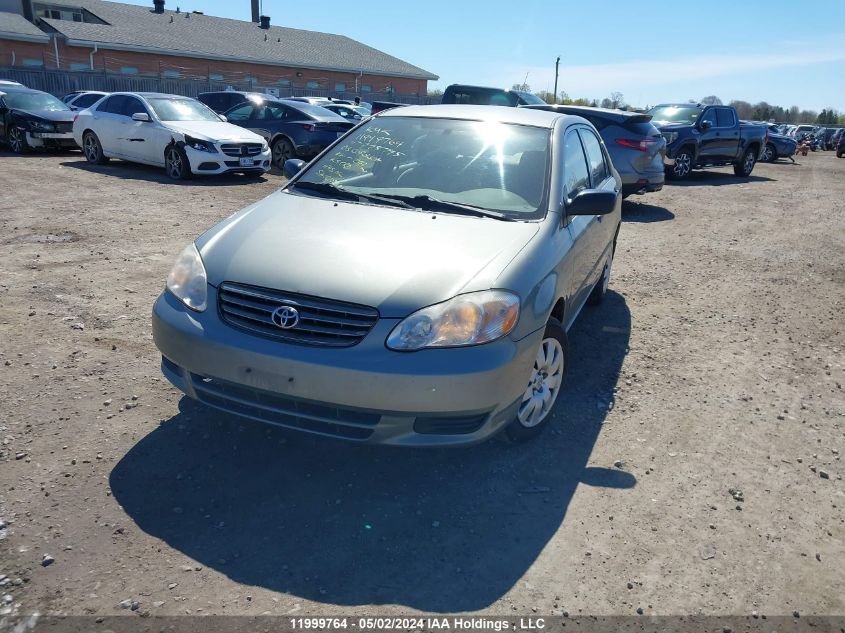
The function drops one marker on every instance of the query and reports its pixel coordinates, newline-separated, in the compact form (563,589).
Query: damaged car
(31,119)
(181,134)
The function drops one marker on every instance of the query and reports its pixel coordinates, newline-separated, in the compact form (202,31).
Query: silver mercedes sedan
(412,285)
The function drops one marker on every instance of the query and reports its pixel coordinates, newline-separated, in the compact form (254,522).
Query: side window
(241,113)
(87,100)
(132,105)
(710,116)
(112,105)
(576,176)
(725,117)
(292,114)
(595,157)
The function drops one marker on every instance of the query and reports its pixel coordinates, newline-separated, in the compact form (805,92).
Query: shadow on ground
(633,211)
(445,530)
(135,171)
(716,179)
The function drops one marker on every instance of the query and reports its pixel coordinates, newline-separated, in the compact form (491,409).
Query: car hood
(214,131)
(57,116)
(396,260)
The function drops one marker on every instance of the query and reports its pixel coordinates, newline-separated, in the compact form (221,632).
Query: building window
(59,13)
(215,77)
(171,74)
(129,70)
(340,87)
(313,85)
(79,66)
(35,63)
(366,88)
(284,82)
(250,79)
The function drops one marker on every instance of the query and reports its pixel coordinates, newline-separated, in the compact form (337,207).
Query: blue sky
(650,51)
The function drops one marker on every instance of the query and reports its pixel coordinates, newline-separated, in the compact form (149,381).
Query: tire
(682,166)
(553,355)
(17,140)
(770,154)
(282,150)
(838,153)
(745,166)
(92,149)
(600,289)
(176,164)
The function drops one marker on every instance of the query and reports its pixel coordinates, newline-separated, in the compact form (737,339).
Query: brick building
(112,38)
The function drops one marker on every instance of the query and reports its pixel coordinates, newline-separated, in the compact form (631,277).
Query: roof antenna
(265,37)
(171,19)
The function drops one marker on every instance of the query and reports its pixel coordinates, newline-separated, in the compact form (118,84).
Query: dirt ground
(693,466)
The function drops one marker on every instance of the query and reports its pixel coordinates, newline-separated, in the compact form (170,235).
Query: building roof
(133,27)
(14,26)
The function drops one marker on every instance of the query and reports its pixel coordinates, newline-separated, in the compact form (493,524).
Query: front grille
(321,321)
(64,128)
(241,149)
(273,408)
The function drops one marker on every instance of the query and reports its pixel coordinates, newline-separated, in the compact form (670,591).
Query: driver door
(709,141)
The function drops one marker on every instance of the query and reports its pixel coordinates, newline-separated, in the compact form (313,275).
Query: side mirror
(223,118)
(705,125)
(592,202)
(292,167)
(141,116)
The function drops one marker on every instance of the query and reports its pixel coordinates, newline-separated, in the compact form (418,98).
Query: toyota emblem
(286,317)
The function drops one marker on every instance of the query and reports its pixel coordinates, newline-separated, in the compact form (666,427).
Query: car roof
(152,95)
(618,116)
(499,114)
(21,89)
(681,105)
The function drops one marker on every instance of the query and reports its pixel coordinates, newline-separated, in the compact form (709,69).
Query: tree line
(760,111)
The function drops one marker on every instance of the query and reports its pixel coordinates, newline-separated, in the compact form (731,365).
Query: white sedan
(178,133)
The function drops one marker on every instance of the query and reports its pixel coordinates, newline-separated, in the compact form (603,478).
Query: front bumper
(45,139)
(212,163)
(365,393)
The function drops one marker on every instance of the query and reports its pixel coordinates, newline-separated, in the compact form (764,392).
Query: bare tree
(711,100)
(617,99)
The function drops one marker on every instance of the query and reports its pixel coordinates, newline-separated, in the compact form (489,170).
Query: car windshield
(675,114)
(35,101)
(182,110)
(529,99)
(432,163)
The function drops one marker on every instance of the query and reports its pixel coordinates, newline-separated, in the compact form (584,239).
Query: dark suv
(227,99)
(480,95)
(840,147)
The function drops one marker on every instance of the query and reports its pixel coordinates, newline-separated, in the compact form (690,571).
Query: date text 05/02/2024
(419,623)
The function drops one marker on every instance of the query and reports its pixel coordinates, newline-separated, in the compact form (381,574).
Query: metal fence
(61,82)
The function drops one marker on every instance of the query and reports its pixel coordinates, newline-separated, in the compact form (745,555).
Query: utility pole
(557,64)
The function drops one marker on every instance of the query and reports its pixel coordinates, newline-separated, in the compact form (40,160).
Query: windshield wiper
(346,194)
(327,188)
(427,203)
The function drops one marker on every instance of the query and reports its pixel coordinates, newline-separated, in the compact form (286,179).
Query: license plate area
(247,162)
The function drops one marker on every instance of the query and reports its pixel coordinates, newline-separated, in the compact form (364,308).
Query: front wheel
(282,150)
(682,166)
(17,140)
(769,154)
(544,385)
(746,165)
(176,164)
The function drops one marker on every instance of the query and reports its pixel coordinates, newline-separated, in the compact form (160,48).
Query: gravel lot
(693,466)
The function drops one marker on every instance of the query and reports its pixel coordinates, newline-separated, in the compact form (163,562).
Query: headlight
(200,145)
(188,281)
(41,126)
(470,319)
(670,137)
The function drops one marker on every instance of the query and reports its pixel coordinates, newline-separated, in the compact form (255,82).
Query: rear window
(480,96)
(644,128)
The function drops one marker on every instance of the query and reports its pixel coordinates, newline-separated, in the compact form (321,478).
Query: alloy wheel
(546,377)
(682,165)
(174,165)
(15,140)
(768,154)
(282,151)
(91,147)
(749,162)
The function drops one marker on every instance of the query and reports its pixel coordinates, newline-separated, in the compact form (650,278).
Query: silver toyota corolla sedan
(412,285)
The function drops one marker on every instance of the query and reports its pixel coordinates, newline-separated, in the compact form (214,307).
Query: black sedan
(34,119)
(294,129)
